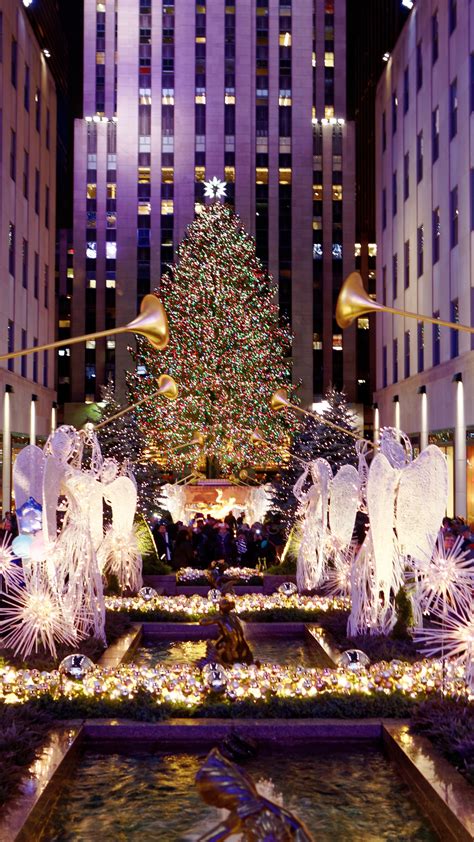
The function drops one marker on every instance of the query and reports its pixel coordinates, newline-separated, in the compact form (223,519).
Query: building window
(46,208)
(395,276)
(406,90)
(26,88)
(419,157)
(434,37)
(36,276)
(26,171)
(436,341)
(11,249)
(436,235)
(45,369)
(420,237)
(37,191)
(384,367)
(406,267)
(407,353)
(14,63)
(384,285)
(406,176)
(454,338)
(35,361)
(453,15)
(435,133)
(24,264)
(394,193)
(384,208)
(453,109)
(46,286)
(471,81)
(421,346)
(394,112)
(419,66)
(395,361)
(384,124)
(38,110)
(11,343)
(23,347)
(13,155)
(454,212)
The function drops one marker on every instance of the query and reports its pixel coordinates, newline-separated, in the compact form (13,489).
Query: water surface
(355,796)
(283,651)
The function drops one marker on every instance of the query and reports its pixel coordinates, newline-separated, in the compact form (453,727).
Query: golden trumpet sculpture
(279,401)
(196,438)
(354,301)
(151,322)
(166,387)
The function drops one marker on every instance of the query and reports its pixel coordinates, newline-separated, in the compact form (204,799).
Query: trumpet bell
(257,437)
(197,438)
(353,301)
(279,400)
(167,387)
(151,322)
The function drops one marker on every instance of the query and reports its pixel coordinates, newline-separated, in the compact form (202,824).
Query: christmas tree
(122,439)
(317,440)
(227,351)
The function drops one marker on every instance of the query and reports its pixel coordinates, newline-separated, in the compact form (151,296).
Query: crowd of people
(206,539)
(8,527)
(454,528)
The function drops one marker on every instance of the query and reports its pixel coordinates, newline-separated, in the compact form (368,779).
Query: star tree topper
(214,189)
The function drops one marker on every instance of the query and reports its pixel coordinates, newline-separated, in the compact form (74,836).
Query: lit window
(111,191)
(144,175)
(200,99)
(372,249)
(91,250)
(144,208)
(261,175)
(363,323)
(111,219)
(229,99)
(337,192)
(317,192)
(167,207)
(110,344)
(336,163)
(144,144)
(167,175)
(337,251)
(92,191)
(101,7)
(284,100)
(328,59)
(317,343)
(90,344)
(70,273)
(328,111)
(111,251)
(201,39)
(64,323)
(317,251)
(199,173)
(91,283)
(284,176)
(357,250)
(100,58)
(110,284)
(337,342)
(229,174)
(285,39)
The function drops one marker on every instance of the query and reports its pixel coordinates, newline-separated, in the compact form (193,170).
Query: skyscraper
(27,241)
(425,220)
(176,93)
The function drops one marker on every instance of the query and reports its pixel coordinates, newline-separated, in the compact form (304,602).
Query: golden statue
(224,785)
(231,646)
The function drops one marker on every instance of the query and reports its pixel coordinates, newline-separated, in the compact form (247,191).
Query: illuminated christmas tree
(227,351)
(317,440)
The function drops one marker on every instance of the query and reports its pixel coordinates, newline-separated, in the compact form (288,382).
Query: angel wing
(121,495)
(344,499)
(421,501)
(28,475)
(381,491)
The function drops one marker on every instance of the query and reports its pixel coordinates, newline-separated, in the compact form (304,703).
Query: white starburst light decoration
(10,573)
(215,188)
(444,577)
(452,637)
(35,617)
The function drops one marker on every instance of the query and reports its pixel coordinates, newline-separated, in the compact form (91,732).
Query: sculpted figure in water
(224,785)
(231,646)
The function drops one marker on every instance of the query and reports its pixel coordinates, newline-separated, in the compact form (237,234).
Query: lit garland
(184,684)
(196,605)
(188,575)
(227,350)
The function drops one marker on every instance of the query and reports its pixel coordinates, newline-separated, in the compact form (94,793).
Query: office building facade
(425,220)
(27,241)
(177,93)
